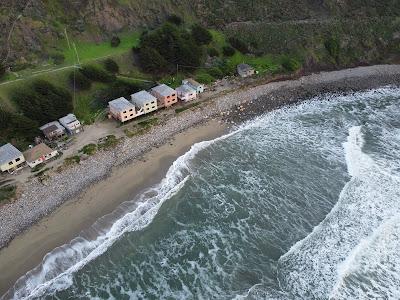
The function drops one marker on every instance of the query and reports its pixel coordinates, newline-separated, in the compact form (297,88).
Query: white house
(39,154)
(244,70)
(71,124)
(194,84)
(186,93)
(11,159)
(144,100)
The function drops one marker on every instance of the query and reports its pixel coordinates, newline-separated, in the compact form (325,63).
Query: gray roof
(184,88)
(244,67)
(121,104)
(8,153)
(191,82)
(163,90)
(142,97)
(54,124)
(67,119)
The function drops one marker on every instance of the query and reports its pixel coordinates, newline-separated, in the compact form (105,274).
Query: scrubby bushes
(162,49)
(228,50)
(79,81)
(201,35)
(174,19)
(238,45)
(43,101)
(204,78)
(2,70)
(212,52)
(111,66)
(115,41)
(332,45)
(290,64)
(96,73)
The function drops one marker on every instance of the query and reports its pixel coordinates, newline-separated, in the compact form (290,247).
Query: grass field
(89,51)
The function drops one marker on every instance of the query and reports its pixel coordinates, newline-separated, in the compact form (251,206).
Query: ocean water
(301,203)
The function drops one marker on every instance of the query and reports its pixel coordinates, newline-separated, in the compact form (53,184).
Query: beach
(72,200)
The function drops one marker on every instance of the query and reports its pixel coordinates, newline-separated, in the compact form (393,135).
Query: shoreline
(64,192)
(27,250)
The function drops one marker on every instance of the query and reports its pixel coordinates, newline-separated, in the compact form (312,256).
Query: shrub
(174,19)
(239,45)
(201,35)
(115,41)
(215,72)
(110,141)
(2,70)
(7,192)
(212,52)
(79,81)
(204,78)
(291,64)
(111,66)
(42,101)
(89,149)
(228,50)
(332,45)
(160,50)
(97,74)
(58,58)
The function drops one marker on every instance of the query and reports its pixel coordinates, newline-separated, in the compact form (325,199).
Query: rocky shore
(39,200)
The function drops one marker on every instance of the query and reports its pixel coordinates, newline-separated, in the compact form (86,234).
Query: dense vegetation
(162,49)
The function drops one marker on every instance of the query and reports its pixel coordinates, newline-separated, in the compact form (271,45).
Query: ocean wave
(56,270)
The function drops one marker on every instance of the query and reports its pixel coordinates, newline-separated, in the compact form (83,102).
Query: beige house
(166,96)
(11,159)
(186,93)
(122,110)
(194,85)
(53,130)
(39,154)
(145,101)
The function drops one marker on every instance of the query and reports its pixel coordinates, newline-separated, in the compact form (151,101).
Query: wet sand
(28,249)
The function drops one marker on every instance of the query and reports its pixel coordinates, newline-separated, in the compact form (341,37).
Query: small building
(186,93)
(244,70)
(194,85)
(122,110)
(166,96)
(144,101)
(11,159)
(53,130)
(39,154)
(71,124)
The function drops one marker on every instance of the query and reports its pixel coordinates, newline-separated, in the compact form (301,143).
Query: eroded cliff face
(37,25)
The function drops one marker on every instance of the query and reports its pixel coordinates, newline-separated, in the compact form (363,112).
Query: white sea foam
(317,266)
(56,270)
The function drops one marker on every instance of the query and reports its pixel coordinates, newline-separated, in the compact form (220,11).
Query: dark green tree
(96,73)
(201,35)
(79,81)
(228,50)
(111,66)
(174,19)
(115,41)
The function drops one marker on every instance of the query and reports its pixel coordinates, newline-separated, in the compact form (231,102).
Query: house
(144,101)
(11,159)
(39,154)
(122,110)
(165,95)
(186,93)
(194,85)
(53,130)
(244,70)
(71,124)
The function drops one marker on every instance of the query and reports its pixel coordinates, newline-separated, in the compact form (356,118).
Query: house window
(10,163)
(125,117)
(153,107)
(131,109)
(131,115)
(152,102)
(124,112)
(173,95)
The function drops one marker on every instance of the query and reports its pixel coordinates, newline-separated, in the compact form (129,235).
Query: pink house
(165,95)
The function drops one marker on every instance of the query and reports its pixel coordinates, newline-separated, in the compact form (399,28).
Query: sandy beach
(72,200)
